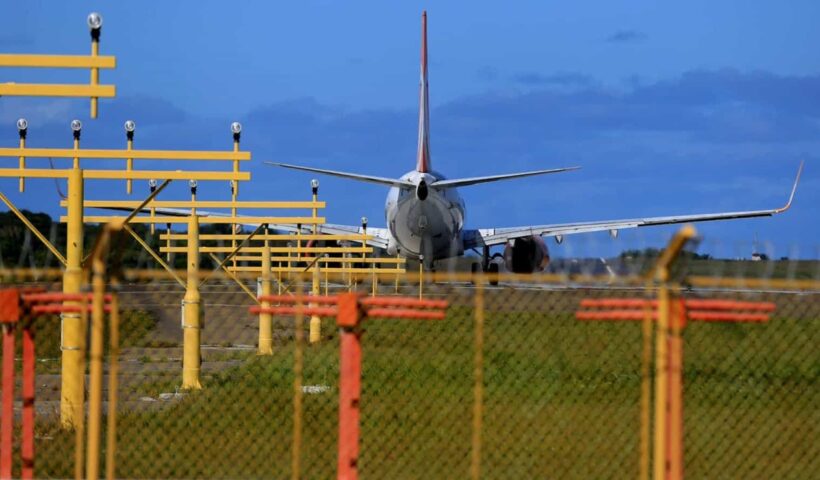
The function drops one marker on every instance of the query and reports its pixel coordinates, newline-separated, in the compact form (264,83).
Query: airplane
(425,214)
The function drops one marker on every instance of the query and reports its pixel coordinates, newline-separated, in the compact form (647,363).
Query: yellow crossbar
(56,90)
(376,260)
(125,174)
(290,236)
(363,270)
(109,154)
(199,204)
(293,250)
(56,61)
(220,220)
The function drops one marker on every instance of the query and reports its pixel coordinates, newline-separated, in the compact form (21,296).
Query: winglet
(794,189)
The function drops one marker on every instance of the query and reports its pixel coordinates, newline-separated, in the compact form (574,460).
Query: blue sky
(669,109)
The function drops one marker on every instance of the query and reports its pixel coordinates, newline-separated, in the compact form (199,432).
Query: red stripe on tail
(423,156)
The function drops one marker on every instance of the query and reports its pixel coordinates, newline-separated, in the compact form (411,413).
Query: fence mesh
(509,385)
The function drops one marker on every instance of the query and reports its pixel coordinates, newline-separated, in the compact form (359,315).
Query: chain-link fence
(509,385)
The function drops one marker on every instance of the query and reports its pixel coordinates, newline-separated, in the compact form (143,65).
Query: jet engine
(526,255)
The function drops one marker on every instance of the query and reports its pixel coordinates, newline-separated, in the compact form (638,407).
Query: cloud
(16,40)
(568,79)
(487,73)
(626,36)
(649,148)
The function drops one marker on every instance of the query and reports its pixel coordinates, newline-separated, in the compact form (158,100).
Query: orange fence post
(8,401)
(350,309)
(672,315)
(9,316)
(350,385)
(27,444)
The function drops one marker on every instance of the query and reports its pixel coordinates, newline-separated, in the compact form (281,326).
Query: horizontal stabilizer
(463,182)
(392,182)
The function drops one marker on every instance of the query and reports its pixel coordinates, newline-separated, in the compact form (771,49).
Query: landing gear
(492,269)
(487,266)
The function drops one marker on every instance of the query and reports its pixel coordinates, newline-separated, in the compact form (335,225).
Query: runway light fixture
(95,21)
(236,128)
(76,127)
(364,222)
(192,184)
(152,184)
(314,185)
(130,126)
(22,126)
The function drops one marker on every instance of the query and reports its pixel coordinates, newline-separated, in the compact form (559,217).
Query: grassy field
(561,400)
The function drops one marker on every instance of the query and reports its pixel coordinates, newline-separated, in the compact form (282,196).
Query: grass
(561,400)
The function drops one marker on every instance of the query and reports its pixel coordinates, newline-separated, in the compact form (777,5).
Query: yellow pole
(234,184)
(76,147)
(22,160)
(397,276)
(315,320)
(113,383)
(646,392)
(421,276)
(191,312)
(72,324)
(79,427)
(326,282)
(674,410)
(661,382)
(266,319)
(373,281)
(92,466)
(296,452)
(95,73)
(129,162)
(168,242)
(478,386)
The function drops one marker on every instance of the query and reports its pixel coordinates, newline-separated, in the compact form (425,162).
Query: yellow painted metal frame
(93,90)
(113,154)
(204,219)
(325,260)
(124,174)
(228,249)
(202,204)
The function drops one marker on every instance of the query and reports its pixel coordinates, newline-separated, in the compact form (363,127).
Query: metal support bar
(145,202)
(56,90)
(124,174)
(221,264)
(154,255)
(56,61)
(232,277)
(116,154)
(33,229)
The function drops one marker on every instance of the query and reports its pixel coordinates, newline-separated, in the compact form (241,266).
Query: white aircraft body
(425,214)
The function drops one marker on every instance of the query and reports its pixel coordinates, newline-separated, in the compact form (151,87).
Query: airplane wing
(392,182)
(463,182)
(380,236)
(497,236)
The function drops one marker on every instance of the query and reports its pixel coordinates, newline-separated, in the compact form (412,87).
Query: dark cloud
(569,79)
(626,36)
(10,39)
(487,73)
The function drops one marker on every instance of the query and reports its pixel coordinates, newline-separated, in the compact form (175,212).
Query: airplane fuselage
(424,220)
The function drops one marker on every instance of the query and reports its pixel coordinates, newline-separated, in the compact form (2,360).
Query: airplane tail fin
(423,156)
